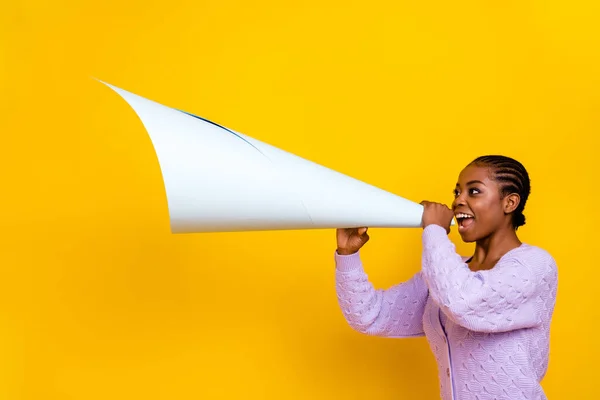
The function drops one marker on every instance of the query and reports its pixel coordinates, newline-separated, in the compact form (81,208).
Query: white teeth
(461,215)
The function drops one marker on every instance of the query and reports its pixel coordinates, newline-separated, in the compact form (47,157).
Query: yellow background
(100,300)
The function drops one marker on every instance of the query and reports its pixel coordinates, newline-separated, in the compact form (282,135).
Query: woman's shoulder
(525,252)
(536,259)
(531,253)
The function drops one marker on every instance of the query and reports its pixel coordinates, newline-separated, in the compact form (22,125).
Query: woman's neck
(488,251)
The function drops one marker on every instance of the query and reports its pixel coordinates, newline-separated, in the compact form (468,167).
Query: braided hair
(513,178)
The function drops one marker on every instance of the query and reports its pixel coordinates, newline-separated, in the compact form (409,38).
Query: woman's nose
(458,201)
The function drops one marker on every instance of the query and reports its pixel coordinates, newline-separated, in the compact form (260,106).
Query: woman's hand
(350,240)
(437,214)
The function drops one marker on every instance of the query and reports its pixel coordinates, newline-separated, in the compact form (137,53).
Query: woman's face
(478,206)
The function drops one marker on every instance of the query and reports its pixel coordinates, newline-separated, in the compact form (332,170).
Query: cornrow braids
(513,178)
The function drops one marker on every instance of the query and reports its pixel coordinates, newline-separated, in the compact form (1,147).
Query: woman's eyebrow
(475,181)
(471,182)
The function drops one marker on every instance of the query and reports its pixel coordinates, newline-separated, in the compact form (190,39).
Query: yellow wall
(100,301)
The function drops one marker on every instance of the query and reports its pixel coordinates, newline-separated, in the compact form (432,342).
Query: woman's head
(490,195)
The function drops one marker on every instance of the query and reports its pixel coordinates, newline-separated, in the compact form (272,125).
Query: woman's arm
(515,294)
(396,312)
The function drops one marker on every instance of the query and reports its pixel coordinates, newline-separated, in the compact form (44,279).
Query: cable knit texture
(488,330)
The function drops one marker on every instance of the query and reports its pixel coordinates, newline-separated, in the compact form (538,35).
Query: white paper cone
(218,180)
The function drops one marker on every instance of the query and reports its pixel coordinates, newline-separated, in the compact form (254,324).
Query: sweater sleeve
(396,312)
(510,296)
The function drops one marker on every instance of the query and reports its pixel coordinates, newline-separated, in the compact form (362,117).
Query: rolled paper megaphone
(219,180)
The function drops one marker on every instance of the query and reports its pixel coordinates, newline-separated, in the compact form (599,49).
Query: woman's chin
(467,237)
(467,231)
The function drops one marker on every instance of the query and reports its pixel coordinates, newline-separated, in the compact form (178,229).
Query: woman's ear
(511,202)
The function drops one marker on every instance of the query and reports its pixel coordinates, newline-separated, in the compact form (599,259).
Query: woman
(486,317)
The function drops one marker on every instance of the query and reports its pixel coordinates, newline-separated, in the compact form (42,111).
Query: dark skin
(489,222)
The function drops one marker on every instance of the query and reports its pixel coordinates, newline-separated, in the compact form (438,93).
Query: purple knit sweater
(488,330)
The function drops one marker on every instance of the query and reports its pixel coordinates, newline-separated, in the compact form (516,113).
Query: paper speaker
(219,180)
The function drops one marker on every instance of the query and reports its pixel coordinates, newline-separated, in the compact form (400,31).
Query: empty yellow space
(100,301)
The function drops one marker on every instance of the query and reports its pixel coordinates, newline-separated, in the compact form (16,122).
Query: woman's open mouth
(464,221)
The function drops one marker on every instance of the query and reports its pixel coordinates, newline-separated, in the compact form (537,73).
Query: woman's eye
(474,191)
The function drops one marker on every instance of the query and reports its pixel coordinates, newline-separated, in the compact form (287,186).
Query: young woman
(486,317)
